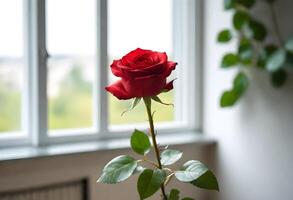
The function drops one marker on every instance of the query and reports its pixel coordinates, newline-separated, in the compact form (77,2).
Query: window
(54,58)
(12,68)
(150,32)
(71,45)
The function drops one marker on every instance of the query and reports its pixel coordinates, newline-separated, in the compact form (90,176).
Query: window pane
(11,64)
(131,26)
(71,42)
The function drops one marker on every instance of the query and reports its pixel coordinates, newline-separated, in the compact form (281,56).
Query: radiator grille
(66,191)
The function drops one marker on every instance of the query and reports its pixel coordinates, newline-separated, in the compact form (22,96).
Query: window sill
(19,153)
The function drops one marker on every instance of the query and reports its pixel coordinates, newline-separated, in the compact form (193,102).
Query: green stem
(156,148)
(275,24)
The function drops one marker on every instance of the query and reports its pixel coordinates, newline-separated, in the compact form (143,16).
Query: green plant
(151,180)
(253,50)
(141,72)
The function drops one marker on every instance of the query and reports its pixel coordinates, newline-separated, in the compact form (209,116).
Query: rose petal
(145,86)
(118,90)
(168,86)
(131,56)
(157,69)
(115,68)
(133,70)
(170,66)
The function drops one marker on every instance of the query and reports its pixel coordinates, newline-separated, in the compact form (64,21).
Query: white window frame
(187,46)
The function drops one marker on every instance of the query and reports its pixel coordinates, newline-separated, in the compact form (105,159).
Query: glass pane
(71,42)
(131,26)
(11,64)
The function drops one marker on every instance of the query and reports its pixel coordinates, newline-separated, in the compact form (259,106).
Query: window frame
(186,18)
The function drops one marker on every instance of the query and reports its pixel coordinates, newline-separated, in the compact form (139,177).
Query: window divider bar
(185,19)
(102,63)
(26,105)
(39,72)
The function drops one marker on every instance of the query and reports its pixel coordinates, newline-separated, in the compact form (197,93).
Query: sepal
(135,102)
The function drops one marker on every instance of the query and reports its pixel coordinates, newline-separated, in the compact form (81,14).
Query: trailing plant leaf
(245,52)
(289,44)
(257,30)
(228,98)
(278,78)
(140,142)
(174,195)
(230,60)
(246,3)
(207,181)
(133,105)
(149,182)
(289,60)
(169,156)
(118,169)
(224,36)
(276,60)
(229,4)
(240,18)
(264,54)
(240,83)
(191,170)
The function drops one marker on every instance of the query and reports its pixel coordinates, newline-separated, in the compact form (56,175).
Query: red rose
(143,74)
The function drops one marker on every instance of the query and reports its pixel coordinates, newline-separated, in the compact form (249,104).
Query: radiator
(76,190)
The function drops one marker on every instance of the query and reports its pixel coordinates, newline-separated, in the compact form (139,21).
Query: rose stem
(153,135)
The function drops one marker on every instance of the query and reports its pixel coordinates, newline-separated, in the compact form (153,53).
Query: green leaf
(118,169)
(139,169)
(246,3)
(157,99)
(191,170)
(289,44)
(240,18)
(276,60)
(245,52)
(169,156)
(174,195)
(278,78)
(257,30)
(224,36)
(229,4)
(240,83)
(187,198)
(207,181)
(264,53)
(289,60)
(228,98)
(149,182)
(140,142)
(230,60)
(133,105)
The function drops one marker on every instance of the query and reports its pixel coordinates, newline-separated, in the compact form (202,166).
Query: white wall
(255,151)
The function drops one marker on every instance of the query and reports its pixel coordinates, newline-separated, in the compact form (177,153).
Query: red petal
(145,86)
(169,86)
(118,90)
(170,66)
(115,68)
